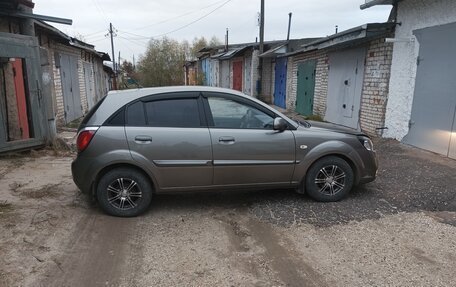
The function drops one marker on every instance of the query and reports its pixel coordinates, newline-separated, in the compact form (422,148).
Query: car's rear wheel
(329,179)
(124,192)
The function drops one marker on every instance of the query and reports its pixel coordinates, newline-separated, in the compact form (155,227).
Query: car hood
(332,127)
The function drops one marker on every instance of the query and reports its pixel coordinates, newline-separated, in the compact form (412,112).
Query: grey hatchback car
(136,143)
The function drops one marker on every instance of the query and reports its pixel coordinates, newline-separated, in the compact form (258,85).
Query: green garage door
(305,87)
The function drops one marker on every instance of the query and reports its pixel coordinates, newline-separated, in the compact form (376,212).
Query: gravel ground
(397,231)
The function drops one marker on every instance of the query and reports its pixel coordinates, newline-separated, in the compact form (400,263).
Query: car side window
(135,114)
(227,113)
(173,113)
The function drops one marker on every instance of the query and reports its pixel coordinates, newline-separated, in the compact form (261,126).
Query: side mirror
(280,124)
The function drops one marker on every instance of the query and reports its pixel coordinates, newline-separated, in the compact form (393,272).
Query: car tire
(124,192)
(329,179)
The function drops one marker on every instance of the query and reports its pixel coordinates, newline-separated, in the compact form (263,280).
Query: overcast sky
(138,20)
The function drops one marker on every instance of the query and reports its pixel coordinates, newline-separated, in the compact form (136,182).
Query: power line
(182,27)
(193,22)
(102,13)
(179,16)
(136,35)
(94,33)
(125,43)
(134,42)
(97,40)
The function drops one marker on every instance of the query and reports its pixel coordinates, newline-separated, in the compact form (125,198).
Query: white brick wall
(58,91)
(321,80)
(267,81)
(60,110)
(254,73)
(413,15)
(375,86)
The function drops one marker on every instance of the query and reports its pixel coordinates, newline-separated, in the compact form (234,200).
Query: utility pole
(289,25)
(114,82)
(260,64)
(118,63)
(226,40)
(262,28)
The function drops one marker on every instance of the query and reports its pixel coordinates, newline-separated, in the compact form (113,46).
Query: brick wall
(60,110)
(254,73)
(321,80)
(58,94)
(267,81)
(375,86)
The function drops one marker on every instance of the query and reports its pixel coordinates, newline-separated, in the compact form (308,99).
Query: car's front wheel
(329,179)
(124,192)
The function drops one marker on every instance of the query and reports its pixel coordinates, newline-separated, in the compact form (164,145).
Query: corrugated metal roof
(287,47)
(348,37)
(72,41)
(209,50)
(232,53)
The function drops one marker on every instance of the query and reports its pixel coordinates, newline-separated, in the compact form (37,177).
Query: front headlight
(367,143)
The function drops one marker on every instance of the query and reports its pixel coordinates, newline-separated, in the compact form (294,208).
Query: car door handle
(226,140)
(143,139)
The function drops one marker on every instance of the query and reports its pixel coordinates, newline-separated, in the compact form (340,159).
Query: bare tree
(162,64)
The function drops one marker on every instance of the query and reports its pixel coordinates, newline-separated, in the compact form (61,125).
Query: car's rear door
(246,149)
(169,134)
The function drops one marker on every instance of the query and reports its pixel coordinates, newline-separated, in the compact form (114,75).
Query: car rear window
(86,119)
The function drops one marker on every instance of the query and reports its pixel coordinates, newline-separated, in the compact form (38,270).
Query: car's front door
(170,135)
(246,149)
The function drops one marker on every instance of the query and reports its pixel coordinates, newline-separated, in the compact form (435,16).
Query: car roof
(117,99)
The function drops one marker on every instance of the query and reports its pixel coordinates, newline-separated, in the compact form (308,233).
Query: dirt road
(397,231)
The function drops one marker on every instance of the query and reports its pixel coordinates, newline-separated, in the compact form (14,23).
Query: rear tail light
(84,138)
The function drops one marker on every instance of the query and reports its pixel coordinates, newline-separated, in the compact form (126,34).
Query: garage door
(345,82)
(432,123)
(22,106)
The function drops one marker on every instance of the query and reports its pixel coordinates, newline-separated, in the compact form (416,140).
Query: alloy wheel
(124,193)
(330,180)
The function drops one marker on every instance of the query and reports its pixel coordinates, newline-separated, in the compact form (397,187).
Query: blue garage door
(280,82)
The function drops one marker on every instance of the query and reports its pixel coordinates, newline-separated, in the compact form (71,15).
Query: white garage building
(421,105)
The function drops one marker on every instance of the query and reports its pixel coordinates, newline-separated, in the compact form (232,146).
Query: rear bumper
(80,177)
